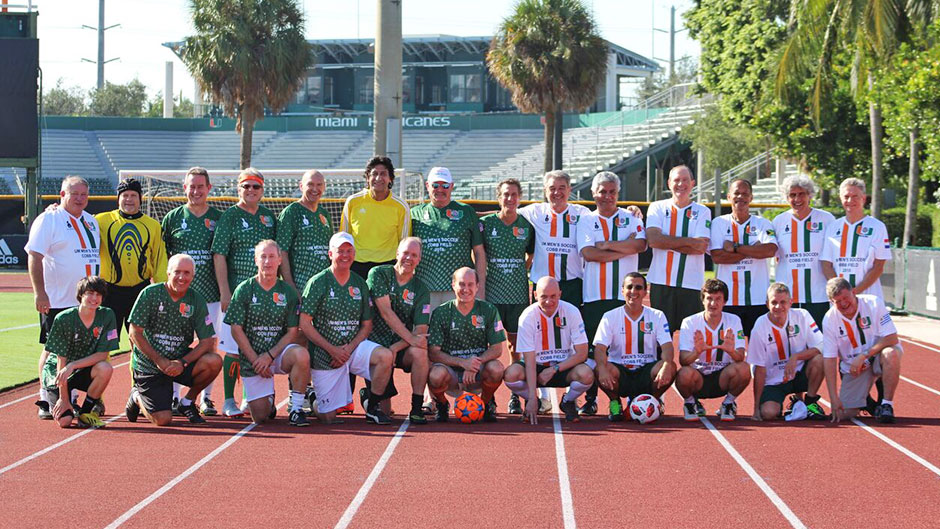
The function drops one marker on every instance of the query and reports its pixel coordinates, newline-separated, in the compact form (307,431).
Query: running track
(508,474)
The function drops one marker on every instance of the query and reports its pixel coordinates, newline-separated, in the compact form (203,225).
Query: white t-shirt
(70,247)
(670,267)
(714,359)
(747,279)
(853,248)
(556,241)
(603,280)
(551,337)
(632,343)
(848,338)
(799,247)
(770,346)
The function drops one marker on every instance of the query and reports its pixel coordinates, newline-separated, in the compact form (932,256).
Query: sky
(146,24)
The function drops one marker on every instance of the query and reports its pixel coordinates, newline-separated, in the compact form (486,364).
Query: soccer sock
(185,402)
(690,399)
(176,390)
(88,404)
(574,391)
(879,390)
(591,393)
(207,393)
(810,399)
(519,388)
(296,400)
(417,401)
(229,372)
(729,398)
(888,402)
(543,393)
(73,396)
(44,395)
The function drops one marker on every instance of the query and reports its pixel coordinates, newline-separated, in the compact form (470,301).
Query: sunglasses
(441,185)
(252,186)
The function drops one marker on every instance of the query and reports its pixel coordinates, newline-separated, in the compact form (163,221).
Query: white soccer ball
(644,408)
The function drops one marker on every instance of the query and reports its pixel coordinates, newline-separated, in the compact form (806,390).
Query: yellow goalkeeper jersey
(132,249)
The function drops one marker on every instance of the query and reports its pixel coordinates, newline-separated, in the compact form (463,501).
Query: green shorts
(510,313)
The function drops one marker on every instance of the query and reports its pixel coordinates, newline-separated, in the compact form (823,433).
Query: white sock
(574,391)
(690,399)
(296,400)
(207,393)
(185,402)
(74,395)
(44,395)
(729,398)
(520,388)
(543,393)
(888,402)
(176,389)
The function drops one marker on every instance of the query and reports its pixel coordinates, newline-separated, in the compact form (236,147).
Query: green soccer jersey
(168,325)
(466,336)
(265,316)
(305,236)
(507,280)
(186,233)
(236,236)
(448,236)
(411,302)
(337,311)
(72,340)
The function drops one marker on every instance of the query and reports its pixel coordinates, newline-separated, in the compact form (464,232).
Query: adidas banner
(12,252)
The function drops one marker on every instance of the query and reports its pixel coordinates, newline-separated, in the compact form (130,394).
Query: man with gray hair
(800,233)
(860,343)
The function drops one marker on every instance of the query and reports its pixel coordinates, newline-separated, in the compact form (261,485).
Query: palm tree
(247,54)
(549,55)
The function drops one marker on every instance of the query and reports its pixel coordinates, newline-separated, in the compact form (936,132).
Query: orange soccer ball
(468,408)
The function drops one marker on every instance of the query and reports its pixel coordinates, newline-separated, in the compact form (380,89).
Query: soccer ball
(468,408)
(644,409)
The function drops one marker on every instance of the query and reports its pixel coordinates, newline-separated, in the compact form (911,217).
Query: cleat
(230,409)
(44,413)
(514,407)
(208,407)
(689,412)
(346,410)
(273,413)
(175,407)
(377,416)
(570,408)
(132,409)
(815,413)
(489,411)
(98,407)
(91,420)
(589,407)
(699,409)
(191,413)
(310,396)
(442,411)
(616,411)
(728,410)
(244,408)
(364,398)
(887,414)
(298,418)
(545,406)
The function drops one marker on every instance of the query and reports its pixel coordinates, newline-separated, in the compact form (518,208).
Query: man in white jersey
(625,349)
(554,348)
(785,350)
(860,343)
(800,233)
(711,351)
(63,247)
(679,232)
(741,243)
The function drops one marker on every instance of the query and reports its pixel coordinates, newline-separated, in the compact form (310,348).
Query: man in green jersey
(304,229)
(404,306)
(233,247)
(465,343)
(264,315)
(77,349)
(189,229)
(163,321)
(336,317)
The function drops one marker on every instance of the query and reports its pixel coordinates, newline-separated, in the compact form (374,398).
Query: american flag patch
(112,334)
(208,320)
(426,309)
(498,326)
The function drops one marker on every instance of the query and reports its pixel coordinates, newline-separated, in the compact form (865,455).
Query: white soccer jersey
(670,267)
(714,359)
(848,338)
(799,247)
(747,279)
(70,247)
(603,280)
(556,240)
(551,337)
(853,248)
(770,346)
(632,343)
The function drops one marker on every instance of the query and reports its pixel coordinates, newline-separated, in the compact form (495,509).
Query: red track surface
(668,474)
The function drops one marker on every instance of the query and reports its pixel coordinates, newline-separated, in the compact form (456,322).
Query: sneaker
(689,412)
(132,409)
(230,409)
(192,413)
(515,406)
(377,416)
(570,408)
(346,410)
(175,407)
(298,418)
(887,414)
(443,411)
(91,420)
(98,407)
(871,406)
(429,407)
(208,408)
(616,411)
(728,410)
(273,413)
(489,412)
(364,399)
(589,407)
(814,412)
(244,408)
(545,406)
(417,417)
(310,397)
(44,413)
(699,409)
(662,406)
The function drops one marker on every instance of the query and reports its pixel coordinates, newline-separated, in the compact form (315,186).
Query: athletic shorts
(748,315)
(558,380)
(456,382)
(637,381)
(363,268)
(121,300)
(156,391)
(677,303)
(258,387)
(215,314)
(80,379)
(572,291)
(778,392)
(855,388)
(509,313)
(45,322)
(816,310)
(592,312)
(223,332)
(711,386)
(332,385)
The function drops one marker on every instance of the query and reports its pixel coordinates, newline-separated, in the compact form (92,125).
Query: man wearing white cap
(451,236)
(336,316)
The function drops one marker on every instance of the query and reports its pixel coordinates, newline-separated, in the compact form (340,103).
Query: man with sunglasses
(239,229)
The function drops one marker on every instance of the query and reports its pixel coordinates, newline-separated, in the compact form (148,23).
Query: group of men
(441,293)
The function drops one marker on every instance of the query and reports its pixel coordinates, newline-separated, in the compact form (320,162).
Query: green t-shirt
(448,236)
(305,236)
(186,233)
(507,280)
(411,302)
(236,236)
(337,311)
(466,336)
(265,316)
(168,325)
(70,339)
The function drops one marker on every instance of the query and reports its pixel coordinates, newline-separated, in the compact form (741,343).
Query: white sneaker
(230,409)
(244,407)
(545,406)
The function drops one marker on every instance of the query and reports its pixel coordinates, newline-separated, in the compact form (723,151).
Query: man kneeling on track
(264,315)
(784,349)
(163,321)
(77,350)
(554,348)
(465,343)
(626,345)
(711,351)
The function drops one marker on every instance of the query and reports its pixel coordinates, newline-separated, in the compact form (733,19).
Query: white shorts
(223,331)
(258,387)
(215,315)
(854,389)
(332,385)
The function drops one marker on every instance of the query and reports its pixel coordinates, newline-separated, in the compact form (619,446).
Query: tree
(118,99)
(247,54)
(64,100)
(686,72)
(182,107)
(726,143)
(548,55)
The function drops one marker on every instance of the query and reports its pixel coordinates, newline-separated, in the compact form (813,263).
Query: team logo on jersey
(245,225)
(280,299)
(561,321)
(841,331)
(620,221)
(814,227)
(454,214)
(96,332)
(494,234)
(645,327)
(355,293)
(520,233)
(478,321)
(254,299)
(692,214)
(186,310)
(267,221)
(160,307)
(184,226)
(323,220)
(210,224)
(306,222)
(793,330)
(427,215)
(332,294)
(864,231)
(864,322)
(572,218)
(750,230)
(408,297)
(89,226)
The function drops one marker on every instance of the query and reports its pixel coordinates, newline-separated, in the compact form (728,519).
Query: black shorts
(778,392)
(363,268)
(80,379)
(121,300)
(816,310)
(45,323)
(572,291)
(748,315)
(593,312)
(558,380)
(156,391)
(636,382)
(676,303)
(509,313)
(711,386)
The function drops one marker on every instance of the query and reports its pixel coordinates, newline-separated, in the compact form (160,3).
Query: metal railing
(753,169)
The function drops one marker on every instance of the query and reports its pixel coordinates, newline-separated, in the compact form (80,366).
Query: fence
(910,280)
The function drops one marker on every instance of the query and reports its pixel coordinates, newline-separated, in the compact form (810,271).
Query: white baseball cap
(440,174)
(339,238)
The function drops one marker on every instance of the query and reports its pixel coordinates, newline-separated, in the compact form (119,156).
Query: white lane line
(564,484)
(918,344)
(921,386)
(186,473)
(31,325)
(764,487)
(50,448)
(36,395)
(360,497)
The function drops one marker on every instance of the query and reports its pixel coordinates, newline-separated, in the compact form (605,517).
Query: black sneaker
(443,411)
(364,399)
(887,414)
(377,416)
(871,406)
(570,408)
(132,409)
(298,418)
(99,407)
(44,413)
(176,407)
(699,409)
(191,412)
(589,407)
(514,407)
(417,417)
(489,413)
(616,411)
(310,396)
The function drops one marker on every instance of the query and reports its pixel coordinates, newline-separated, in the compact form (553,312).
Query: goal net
(163,190)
